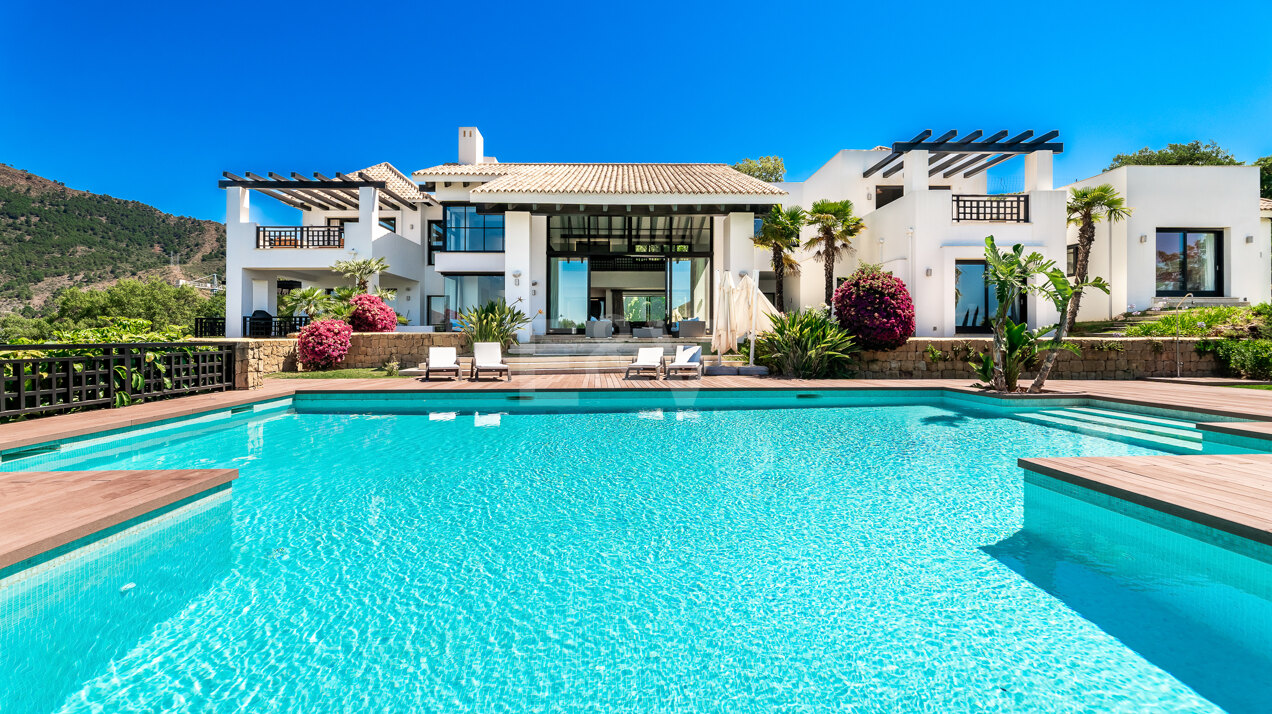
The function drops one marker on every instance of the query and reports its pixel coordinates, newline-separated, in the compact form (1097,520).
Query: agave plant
(496,321)
(806,344)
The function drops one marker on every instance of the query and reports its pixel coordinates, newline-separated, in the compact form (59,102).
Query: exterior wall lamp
(516,277)
(1143,238)
(929,272)
(1249,239)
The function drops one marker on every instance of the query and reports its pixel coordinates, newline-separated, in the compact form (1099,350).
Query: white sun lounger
(688,361)
(647,358)
(443,360)
(488,357)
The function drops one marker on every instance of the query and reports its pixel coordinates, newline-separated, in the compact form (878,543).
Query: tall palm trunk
(779,272)
(1086,238)
(830,276)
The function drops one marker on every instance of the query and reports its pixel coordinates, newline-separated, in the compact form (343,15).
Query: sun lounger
(647,358)
(442,360)
(688,361)
(488,357)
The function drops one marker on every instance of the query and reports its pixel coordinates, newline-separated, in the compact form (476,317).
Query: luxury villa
(641,244)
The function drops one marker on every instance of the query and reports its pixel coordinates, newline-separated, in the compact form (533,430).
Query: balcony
(264,325)
(1013,208)
(299,237)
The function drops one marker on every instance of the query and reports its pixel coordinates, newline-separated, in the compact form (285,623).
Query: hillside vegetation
(53,237)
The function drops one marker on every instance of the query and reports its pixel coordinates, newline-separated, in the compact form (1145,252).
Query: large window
(468,230)
(436,238)
(974,301)
(567,293)
(1189,261)
(629,234)
(389,223)
(463,292)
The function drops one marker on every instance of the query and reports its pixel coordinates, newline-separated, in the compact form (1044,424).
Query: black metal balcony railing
(209,327)
(49,378)
(273,326)
(993,209)
(300,236)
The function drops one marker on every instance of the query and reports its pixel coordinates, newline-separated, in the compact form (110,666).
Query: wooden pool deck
(42,511)
(1231,493)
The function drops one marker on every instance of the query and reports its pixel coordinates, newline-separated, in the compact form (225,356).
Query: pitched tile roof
(396,181)
(1265,204)
(688,179)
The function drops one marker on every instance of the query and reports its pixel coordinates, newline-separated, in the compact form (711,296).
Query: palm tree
(361,270)
(1088,206)
(312,301)
(780,234)
(836,227)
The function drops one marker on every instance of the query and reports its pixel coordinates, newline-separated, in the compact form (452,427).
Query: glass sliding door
(464,292)
(975,302)
(689,280)
(567,294)
(1189,261)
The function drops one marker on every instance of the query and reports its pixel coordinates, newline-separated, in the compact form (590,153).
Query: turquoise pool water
(882,557)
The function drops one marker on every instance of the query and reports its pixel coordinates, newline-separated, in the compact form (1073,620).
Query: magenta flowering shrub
(875,307)
(370,314)
(324,343)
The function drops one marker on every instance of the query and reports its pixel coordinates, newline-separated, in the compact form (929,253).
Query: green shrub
(1251,359)
(806,344)
(496,321)
(1196,322)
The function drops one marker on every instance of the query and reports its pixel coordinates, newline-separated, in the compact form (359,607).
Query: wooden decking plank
(1220,491)
(40,512)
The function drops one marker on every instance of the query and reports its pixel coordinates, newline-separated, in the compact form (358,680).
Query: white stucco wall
(1220,198)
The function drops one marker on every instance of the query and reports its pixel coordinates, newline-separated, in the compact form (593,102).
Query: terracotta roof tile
(397,181)
(1265,204)
(689,179)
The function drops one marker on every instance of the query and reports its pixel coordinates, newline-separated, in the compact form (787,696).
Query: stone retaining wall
(373,349)
(1101,358)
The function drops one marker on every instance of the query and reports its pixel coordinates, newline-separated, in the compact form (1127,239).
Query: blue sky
(152,101)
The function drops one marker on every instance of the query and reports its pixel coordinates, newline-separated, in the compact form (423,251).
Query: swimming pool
(387,554)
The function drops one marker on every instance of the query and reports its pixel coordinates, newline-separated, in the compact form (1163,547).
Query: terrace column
(368,221)
(916,171)
(1038,171)
(240,244)
(517,265)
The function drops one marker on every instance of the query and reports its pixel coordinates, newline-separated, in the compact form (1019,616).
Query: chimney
(470,145)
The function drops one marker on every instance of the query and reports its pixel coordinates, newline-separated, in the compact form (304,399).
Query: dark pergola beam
(246,183)
(405,203)
(898,166)
(992,162)
(273,183)
(975,159)
(951,160)
(894,155)
(328,194)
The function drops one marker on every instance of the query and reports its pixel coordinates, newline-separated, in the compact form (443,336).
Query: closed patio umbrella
(723,337)
(752,312)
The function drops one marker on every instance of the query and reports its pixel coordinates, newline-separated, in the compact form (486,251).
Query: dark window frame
(1022,308)
(467,230)
(434,246)
(1218,233)
(1071,259)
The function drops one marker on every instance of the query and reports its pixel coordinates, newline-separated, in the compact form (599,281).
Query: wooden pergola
(321,193)
(971,154)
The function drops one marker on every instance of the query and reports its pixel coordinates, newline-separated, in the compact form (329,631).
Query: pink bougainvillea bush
(370,314)
(324,343)
(875,307)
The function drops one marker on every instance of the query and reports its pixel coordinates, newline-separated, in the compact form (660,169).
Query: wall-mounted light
(1249,239)
(1143,238)
(516,277)
(741,273)
(929,272)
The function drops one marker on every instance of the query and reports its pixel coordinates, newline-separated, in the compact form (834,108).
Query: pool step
(1132,416)
(1132,431)
(1174,429)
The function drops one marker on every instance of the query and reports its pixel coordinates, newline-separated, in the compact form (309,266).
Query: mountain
(52,237)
